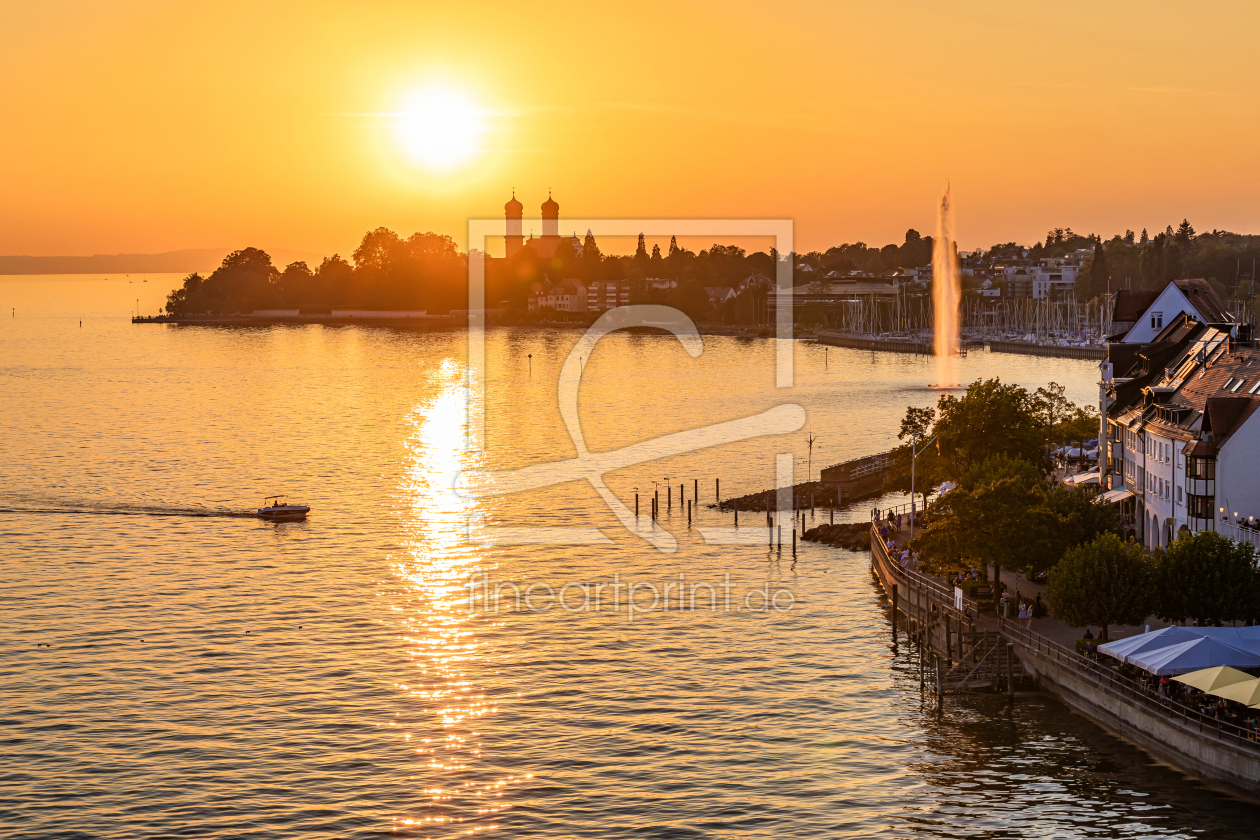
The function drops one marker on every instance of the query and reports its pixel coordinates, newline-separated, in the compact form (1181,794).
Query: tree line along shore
(427,271)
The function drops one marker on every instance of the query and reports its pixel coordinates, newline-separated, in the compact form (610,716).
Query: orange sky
(152,126)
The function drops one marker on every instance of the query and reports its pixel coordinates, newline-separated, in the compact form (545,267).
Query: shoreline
(893,345)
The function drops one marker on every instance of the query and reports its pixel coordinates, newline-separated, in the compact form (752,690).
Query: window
(1157,320)
(1199,507)
(1203,469)
(1178,495)
(1234,390)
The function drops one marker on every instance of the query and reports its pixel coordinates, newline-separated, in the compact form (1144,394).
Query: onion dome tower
(514,210)
(550,217)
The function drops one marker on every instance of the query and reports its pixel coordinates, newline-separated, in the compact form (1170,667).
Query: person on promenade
(1023,611)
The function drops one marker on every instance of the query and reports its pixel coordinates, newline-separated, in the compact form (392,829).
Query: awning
(1124,648)
(1194,655)
(1210,679)
(1246,692)
(1083,478)
(1113,496)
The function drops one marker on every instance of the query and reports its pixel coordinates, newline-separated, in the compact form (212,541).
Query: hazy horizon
(137,128)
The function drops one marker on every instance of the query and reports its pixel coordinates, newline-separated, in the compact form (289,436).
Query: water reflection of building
(545,245)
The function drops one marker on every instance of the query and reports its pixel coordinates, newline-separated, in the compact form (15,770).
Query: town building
(568,295)
(604,295)
(1179,397)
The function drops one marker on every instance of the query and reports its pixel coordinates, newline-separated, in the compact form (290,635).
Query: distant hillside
(171,262)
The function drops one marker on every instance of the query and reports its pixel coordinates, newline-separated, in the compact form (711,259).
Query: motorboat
(277,509)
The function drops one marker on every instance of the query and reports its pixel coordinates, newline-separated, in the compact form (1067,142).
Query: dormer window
(1157,320)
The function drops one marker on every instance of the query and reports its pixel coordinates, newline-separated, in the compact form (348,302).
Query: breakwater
(910,345)
(1055,351)
(859,342)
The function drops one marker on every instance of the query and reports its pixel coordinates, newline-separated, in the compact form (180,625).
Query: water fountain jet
(946,293)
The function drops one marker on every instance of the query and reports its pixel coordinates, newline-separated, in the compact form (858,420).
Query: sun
(440,128)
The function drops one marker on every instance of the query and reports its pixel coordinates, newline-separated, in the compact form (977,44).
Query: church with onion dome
(544,245)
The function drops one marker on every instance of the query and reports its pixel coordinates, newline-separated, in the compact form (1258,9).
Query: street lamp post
(914,454)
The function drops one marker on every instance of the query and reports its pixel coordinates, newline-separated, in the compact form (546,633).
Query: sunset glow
(160,138)
(440,128)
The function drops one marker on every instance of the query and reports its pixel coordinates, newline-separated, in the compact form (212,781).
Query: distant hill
(171,262)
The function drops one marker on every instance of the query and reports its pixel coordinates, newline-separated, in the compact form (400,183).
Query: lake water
(169,668)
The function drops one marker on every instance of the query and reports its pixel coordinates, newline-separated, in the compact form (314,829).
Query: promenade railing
(1141,690)
(942,595)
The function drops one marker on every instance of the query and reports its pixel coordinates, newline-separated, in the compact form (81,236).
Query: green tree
(1000,468)
(1103,582)
(1209,578)
(1098,274)
(916,423)
(692,299)
(990,419)
(987,525)
(1185,232)
(1051,405)
(1077,519)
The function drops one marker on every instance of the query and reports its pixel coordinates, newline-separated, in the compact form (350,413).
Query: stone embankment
(807,495)
(855,536)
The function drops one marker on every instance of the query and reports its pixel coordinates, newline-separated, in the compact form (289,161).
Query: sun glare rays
(440,128)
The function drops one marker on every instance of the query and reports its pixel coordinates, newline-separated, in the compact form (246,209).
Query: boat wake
(131,510)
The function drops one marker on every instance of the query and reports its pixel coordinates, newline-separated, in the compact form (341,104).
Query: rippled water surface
(170,668)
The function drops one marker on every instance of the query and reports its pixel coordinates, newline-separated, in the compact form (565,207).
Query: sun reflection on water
(436,559)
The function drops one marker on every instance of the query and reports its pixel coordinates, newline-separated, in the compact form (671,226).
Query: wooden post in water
(811,504)
(695,490)
(737,513)
(1010,671)
(688,513)
(669,498)
(793,542)
(833,516)
(920,641)
(681,496)
(636,505)
(780,538)
(717,490)
(894,613)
